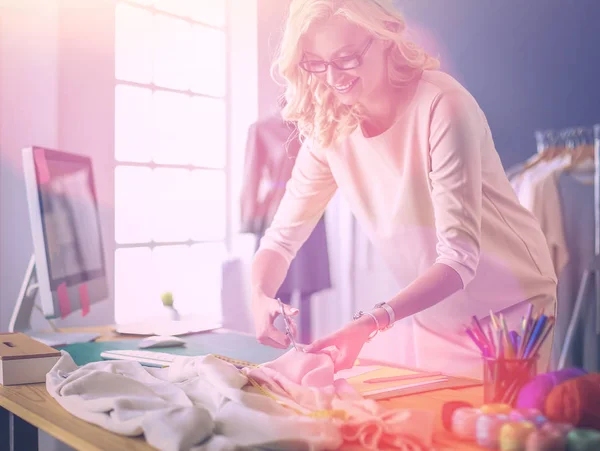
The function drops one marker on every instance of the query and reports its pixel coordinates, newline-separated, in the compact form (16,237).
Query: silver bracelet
(361,313)
(390,312)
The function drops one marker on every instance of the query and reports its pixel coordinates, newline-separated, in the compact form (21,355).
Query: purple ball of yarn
(566,374)
(533,394)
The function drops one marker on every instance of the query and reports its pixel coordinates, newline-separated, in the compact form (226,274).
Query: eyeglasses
(341,63)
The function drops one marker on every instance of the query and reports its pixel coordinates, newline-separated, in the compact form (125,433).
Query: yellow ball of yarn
(496,409)
(513,435)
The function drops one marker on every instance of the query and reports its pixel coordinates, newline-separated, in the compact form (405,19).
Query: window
(170,153)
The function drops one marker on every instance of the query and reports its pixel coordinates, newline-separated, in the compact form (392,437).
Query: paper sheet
(355,371)
(398,389)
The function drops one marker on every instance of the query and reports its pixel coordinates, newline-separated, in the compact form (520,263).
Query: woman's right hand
(264,311)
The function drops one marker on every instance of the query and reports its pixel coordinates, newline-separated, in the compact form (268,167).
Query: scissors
(288,329)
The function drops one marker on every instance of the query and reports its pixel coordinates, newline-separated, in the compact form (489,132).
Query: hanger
(583,151)
(546,154)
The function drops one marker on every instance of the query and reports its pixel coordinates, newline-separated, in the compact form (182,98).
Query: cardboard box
(24,360)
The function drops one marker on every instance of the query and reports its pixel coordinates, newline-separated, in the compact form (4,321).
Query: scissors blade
(288,330)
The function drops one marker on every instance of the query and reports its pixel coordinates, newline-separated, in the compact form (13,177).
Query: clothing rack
(593,267)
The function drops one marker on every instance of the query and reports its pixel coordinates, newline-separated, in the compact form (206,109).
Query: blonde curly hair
(309,103)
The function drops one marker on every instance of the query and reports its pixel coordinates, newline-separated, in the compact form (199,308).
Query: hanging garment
(430,189)
(538,193)
(576,191)
(270,156)
(204,403)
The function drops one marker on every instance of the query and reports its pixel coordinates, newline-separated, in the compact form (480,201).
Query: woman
(412,153)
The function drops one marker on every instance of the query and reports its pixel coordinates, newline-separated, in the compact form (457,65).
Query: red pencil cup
(504,378)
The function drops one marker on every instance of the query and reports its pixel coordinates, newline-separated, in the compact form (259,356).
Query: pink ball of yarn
(488,430)
(464,422)
(541,440)
(557,428)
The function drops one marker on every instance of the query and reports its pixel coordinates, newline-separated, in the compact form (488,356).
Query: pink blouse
(429,189)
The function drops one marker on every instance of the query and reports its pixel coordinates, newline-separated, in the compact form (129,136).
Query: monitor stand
(21,317)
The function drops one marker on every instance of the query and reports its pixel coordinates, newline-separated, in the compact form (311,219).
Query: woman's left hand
(349,340)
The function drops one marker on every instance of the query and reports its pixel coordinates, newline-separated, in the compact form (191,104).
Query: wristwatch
(390,312)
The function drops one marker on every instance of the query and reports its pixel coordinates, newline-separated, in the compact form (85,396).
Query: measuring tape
(237,363)
(326,413)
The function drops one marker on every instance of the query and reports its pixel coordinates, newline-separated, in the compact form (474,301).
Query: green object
(232,345)
(583,440)
(167,299)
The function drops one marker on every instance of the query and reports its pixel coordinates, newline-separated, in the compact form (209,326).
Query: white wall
(271,21)
(57,90)
(28,116)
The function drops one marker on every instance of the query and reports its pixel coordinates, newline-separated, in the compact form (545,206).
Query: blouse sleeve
(307,194)
(457,129)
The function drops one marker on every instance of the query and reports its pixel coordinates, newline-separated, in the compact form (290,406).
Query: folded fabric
(306,381)
(196,404)
(204,403)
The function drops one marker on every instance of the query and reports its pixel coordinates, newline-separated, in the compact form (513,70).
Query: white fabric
(538,193)
(429,189)
(199,403)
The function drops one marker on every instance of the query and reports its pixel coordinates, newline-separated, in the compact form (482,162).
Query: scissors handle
(288,330)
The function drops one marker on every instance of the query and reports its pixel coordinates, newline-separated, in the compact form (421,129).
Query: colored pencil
(549,326)
(535,335)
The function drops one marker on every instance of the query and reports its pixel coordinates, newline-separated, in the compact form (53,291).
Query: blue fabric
(577,205)
(228,344)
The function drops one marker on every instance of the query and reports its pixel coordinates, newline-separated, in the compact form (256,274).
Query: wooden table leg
(16,434)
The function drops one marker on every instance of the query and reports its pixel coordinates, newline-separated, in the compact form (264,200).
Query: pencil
(383,380)
(475,340)
(528,331)
(494,320)
(494,350)
(508,350)
(527,317)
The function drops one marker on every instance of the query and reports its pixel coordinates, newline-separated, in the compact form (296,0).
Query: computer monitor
(67,268)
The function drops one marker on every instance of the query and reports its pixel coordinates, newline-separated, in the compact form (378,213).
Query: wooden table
(30,407)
